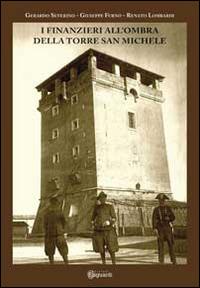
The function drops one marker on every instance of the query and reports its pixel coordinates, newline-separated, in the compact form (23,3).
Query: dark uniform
(54,224)
(104,235)
(162,219)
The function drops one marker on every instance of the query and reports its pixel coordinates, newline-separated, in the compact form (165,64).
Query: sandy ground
(80,252)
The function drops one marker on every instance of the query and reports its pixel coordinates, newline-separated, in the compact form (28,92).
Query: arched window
(134,93)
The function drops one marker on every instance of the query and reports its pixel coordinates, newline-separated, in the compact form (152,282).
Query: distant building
(20,229)
(102,130)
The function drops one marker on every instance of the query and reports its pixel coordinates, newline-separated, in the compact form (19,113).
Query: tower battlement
(103,67)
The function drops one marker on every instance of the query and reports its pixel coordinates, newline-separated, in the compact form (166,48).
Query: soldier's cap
(101,195)
(162,196)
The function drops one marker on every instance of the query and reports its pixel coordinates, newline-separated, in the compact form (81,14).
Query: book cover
(99,104)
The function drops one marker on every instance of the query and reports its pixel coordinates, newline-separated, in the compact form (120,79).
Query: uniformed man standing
(104,237)
(54,225)
(162,219)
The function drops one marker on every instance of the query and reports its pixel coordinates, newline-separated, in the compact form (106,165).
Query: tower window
(55,133)
(55,110)
(75,124)
(131,120)
(74,99)
(75,151)
(56,158)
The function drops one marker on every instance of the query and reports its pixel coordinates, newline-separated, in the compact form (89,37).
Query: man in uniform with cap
(103,220)
(54,225)
(162,219)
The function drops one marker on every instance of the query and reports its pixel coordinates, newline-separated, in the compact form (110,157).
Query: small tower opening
(134,93)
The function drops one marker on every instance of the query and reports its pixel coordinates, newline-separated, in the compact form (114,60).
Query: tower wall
(126,156)
(68,138)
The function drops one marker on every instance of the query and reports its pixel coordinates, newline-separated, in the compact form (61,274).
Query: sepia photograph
(99,143)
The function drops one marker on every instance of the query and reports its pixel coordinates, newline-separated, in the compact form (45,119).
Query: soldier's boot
(171,250)
(103,257)
(51,259)
(161,259)
(65,258)
(172,255)
(173,258)
(112,254)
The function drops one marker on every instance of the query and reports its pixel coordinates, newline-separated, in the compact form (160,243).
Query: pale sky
(33,63)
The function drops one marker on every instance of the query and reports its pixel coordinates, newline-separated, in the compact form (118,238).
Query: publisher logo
(93,274)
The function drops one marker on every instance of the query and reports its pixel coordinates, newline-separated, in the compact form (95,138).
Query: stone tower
(101,130)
